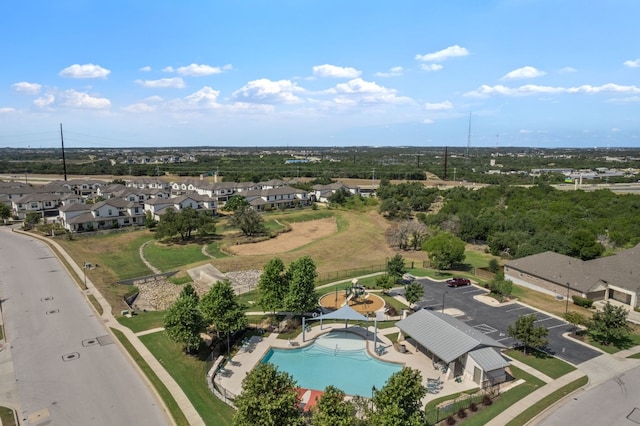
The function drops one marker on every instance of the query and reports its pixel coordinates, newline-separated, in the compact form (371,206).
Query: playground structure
(355,296)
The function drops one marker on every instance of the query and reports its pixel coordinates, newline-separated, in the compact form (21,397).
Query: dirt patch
(301,233)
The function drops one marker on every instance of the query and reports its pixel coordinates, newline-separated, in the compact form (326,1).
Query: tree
(609,326)
(396,268)
(184,222)
(149,221)
(220,306)
(500,287)
(183,321)
(268,398)
(301,295)
(385,282)
(333,410)
(273,285)
(444,250)
(235,202)
(525,330)
(400,399)
(413,292)
(5,211)
(249,221)
(575,319)
(32,218)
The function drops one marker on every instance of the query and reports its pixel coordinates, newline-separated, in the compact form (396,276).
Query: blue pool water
(337,358)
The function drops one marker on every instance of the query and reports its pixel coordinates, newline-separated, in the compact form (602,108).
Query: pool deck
(230,378)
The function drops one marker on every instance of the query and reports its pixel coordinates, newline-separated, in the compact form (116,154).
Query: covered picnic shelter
(454,347)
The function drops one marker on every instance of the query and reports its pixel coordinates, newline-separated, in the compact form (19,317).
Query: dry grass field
(345,241)
(355,240)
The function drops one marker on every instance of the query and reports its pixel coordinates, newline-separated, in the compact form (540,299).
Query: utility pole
(64,158)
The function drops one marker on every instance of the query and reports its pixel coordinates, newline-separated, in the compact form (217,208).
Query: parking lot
(494,320)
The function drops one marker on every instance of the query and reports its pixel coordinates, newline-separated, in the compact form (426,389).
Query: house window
(110,212)
(97,212)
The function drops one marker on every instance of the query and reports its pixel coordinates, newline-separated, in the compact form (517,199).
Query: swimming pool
(337,358)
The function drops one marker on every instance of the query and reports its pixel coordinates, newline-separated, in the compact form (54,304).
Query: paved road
(494,320)
(614,402)
(68,371)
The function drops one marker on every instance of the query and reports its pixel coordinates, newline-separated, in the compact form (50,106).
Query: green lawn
(143,321)
(7,418)
(634,356)
(164,393)
(506,399)
(125,261)
(167,257)
(538,407)
(477,259)
(95,304)
(633,340)
(214,249)
(547,364)
(189,372)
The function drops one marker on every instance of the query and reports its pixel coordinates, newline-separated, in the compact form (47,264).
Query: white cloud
(438,106)
(44,100)
(361,91)
(85,71)
(567,70)
(393,72)
(632,64)
(168,69)
(153,99)
(525,131)
(333,71)
(197,70)
(627,100)
(532,89)
(441,55)
(139,107)
(268,91)
(27,88)
(75,99)
(176,83)
(431,67)
(145,69)
(524,72)
(615,129)
(205,98)
(428,121)
(6,110)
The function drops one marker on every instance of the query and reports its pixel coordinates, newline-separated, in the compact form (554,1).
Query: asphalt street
(68,370)
(494,320)
(614,402)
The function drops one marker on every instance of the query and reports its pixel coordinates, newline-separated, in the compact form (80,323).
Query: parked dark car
(458,282)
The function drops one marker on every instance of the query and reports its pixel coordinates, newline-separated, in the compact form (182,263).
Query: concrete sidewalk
(110,321)
(514,410)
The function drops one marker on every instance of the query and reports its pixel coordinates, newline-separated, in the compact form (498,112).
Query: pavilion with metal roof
(460,348)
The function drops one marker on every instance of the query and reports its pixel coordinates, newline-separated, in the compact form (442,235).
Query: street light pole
(566,308)
(443,294)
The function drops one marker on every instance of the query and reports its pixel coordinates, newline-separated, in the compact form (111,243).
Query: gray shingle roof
(443,335)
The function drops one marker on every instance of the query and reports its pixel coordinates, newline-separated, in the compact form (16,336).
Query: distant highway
(68,369)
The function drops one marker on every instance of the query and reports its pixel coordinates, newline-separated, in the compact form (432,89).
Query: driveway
(494,320)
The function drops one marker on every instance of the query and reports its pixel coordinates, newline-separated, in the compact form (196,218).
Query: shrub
(462,413)
(486,400)
(473,407)
(494,265)
(451,420)
(582,301)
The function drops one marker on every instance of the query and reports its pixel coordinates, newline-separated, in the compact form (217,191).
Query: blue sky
(117,73)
